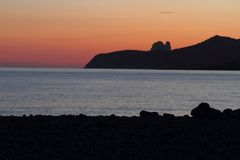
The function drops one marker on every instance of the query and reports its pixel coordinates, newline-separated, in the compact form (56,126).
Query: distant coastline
(215,53)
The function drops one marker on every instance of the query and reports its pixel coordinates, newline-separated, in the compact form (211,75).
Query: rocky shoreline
(206,134)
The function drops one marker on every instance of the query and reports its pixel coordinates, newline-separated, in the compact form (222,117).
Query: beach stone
(146,114)
(237,112)
(168,116)
(113,116)
(186,117)
(229,113)
(81,116)
(204,110)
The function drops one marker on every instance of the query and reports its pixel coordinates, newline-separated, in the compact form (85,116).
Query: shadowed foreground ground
(81,137)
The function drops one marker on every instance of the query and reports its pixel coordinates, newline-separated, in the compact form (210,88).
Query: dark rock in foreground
(146,114)
(205,111)
(148,137)
(168,116)
(229,113)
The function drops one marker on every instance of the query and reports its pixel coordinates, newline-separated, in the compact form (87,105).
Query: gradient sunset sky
(68,33)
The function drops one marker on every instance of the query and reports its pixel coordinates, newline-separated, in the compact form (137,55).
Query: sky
(68,33)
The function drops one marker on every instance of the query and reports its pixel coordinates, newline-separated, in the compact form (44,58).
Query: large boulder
(146,114)
(204,110)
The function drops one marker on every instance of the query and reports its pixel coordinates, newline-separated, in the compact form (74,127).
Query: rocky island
(215,53)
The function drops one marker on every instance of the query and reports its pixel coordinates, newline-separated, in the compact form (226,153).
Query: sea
(44,91)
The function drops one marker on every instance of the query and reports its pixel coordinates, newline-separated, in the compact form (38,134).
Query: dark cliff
(216,53)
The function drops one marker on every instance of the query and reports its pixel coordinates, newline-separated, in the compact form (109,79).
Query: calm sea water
(120,92)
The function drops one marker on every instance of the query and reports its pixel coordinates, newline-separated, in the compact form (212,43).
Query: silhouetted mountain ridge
(215,53)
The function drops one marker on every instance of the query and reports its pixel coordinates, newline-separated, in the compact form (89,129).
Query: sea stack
(160,47)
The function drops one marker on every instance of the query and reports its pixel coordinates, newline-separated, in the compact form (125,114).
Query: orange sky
(68,33)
